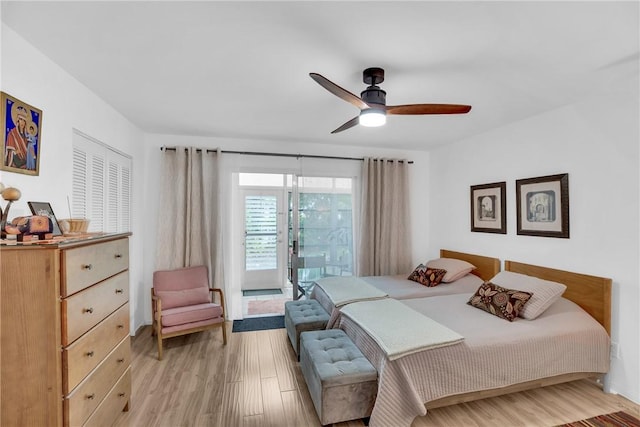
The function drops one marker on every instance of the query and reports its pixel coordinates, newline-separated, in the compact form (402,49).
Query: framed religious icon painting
(543,206)
(489,208)
(21,136)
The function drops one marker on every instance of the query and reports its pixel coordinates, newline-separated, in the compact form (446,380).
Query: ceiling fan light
(372,117)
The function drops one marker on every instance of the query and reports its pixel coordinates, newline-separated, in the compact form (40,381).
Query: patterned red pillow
(427,276)
(501,302)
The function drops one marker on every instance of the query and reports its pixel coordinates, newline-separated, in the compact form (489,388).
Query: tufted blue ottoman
(303,315)
(342,382)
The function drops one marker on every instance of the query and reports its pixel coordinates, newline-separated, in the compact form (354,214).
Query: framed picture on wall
(489,208)
(21,136)
(543,206)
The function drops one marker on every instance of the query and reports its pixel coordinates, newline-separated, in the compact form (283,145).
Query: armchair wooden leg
(159,334)
(224,333)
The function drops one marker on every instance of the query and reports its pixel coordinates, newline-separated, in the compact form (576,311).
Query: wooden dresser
(64,351)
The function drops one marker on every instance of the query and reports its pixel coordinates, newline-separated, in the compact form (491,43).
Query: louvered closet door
(118,193)
(101,185)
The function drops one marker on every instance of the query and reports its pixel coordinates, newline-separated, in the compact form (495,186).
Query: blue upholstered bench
(343,384)
(303,315)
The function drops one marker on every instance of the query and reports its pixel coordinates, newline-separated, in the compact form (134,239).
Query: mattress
(398,287)
(494,353)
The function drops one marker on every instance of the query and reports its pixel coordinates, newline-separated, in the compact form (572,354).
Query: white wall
(66,104)
(596,142)
(418,175)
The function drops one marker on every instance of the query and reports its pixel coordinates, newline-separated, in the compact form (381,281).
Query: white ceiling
(241,69)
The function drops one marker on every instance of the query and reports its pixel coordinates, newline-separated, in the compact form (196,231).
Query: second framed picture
(543,206)
(489,208)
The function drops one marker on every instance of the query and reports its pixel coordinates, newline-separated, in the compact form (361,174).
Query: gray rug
(258,324)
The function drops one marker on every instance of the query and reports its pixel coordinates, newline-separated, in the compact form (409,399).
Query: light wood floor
(256,381)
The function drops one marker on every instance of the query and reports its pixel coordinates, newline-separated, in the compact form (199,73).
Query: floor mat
(270,306)
(258,324)
(259,292)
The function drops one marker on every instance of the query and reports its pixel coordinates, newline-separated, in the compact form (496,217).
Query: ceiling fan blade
(351,123)
(338,91)
(428,109)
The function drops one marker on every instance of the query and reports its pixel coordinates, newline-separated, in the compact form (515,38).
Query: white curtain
(385,240)
(188,231)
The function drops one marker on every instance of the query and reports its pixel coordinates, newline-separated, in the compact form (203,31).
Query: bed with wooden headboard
(567,342)
(591,293)
(400,287)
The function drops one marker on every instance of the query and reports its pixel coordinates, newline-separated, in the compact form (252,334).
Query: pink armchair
(182,303)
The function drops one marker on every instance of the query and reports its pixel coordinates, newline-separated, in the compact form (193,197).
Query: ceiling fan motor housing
(374,95)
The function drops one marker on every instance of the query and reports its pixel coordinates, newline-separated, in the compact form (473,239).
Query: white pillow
(544,292)
(456,268)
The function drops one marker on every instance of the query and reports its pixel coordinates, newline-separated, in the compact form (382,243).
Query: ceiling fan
(372,101)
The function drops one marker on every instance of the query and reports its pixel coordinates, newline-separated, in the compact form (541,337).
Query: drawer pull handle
(120,326)
(87,310)
(87,267)
(121,395)
(119,291)
(91,396)
(90,353)
(118,255)
(121,360)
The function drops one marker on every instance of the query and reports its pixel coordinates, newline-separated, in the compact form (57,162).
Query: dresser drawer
(113,404)
(88,395)
(83,355)
(84,310)
(86,265)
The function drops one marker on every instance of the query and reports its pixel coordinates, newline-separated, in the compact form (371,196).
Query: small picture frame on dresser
(44,209)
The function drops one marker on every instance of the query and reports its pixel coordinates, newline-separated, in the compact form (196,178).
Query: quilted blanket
(398,329)
(345,290)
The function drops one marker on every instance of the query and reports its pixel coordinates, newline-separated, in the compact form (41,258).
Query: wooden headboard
(486,267)
(592,293)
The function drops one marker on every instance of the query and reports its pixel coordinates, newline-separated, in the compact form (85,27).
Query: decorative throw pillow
(544,292)
(427,276)
(501,302)
(456,268)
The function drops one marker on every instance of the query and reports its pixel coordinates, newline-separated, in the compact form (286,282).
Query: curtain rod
(259,153)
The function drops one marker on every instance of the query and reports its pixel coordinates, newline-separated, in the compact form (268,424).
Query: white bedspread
(345,290)
(495,353)
(398,329)
(396,287)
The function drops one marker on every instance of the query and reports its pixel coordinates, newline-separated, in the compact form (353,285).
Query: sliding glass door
(320,230)
(296,224)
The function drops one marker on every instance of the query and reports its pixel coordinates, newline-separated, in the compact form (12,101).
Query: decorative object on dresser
(182,303)
(21,137)
(9,194)
(543,206)
(65,312)
(44,208)
(489,208)
(30,225)
(73,226)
